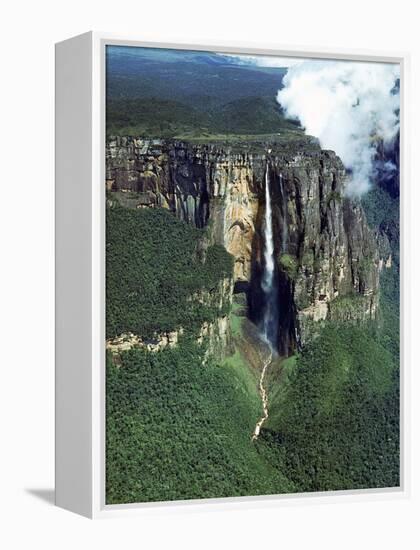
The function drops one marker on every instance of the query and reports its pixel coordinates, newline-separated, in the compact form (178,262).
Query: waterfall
(284,228)
(269,286)
(268,239)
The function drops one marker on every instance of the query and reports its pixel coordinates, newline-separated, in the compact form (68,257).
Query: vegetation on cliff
(155,273)
(288,264)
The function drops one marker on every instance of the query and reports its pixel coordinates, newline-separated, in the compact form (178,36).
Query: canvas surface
(252,275)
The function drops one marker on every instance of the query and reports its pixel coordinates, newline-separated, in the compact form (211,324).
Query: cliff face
(204,185)
(326,254)
(330,252)
(214,334)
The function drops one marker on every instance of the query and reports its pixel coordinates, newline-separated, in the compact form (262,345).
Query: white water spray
(269,328)
(268,238)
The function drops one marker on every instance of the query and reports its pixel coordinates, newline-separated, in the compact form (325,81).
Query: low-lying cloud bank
(350,107)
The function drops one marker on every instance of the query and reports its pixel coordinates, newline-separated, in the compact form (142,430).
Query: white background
(28,32)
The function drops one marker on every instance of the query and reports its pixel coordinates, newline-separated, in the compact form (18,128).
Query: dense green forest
(178,430)
(154,265)
(153,116)
(334,422)
(178,421)
(175,429)
(168,93)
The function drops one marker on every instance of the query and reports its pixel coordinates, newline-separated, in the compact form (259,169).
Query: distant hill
(171,92)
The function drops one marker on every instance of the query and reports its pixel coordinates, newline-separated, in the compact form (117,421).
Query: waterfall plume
(268,283)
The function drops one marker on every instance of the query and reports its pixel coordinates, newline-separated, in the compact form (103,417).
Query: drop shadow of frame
(47,495)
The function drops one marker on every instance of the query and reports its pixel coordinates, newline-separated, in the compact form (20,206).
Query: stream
(264,399)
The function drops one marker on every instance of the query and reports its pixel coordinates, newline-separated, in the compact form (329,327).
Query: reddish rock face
(324,248)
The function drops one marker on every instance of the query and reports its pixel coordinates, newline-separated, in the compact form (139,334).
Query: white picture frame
(80,277)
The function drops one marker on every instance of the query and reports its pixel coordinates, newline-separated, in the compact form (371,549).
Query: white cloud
(346,105)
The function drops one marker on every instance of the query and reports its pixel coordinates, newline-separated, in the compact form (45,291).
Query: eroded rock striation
(328,259)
